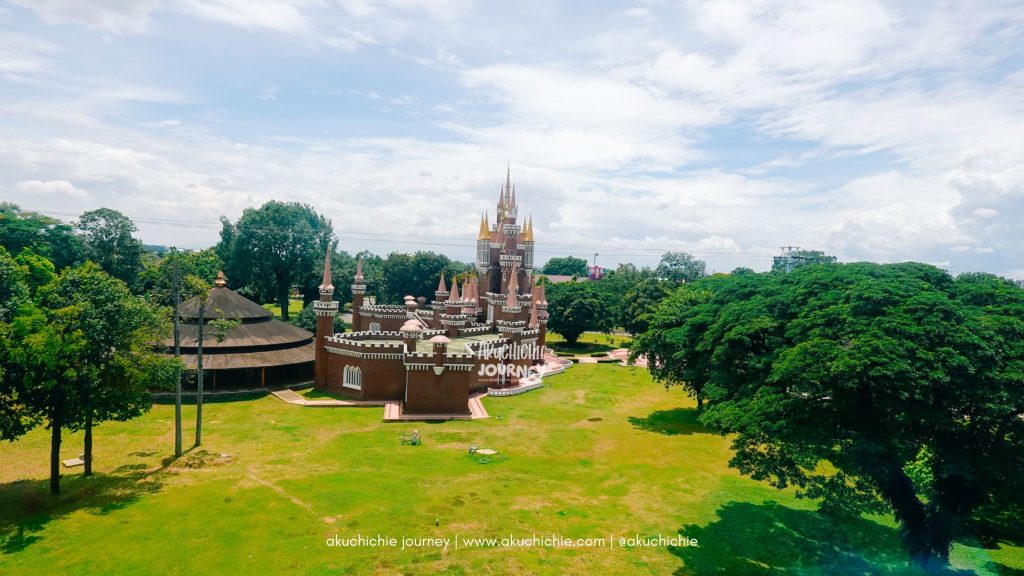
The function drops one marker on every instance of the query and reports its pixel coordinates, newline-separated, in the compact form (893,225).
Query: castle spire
(359,270)
(326,283)
(221,281)
(485,232)
(514,203)
(534,320)
(512,299)
(528,232)
(440,285)
(453,296)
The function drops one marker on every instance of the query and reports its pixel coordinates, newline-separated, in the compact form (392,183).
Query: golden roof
(485,233)
(528,234)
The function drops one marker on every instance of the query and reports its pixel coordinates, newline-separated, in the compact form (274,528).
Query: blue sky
(874,131)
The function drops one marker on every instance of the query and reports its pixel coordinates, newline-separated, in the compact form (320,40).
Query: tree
(870,387)
(16,417)
(415,274)
(638,301)
(38,270)
(275,247)
(567,266)
(48,237)
(306,319)
(575,308)
(14,289)
(82,354)
(108,238)
(197,270)
(115,363)
(679,267)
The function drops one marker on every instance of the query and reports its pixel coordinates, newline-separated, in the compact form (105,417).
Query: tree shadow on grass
(26,506)
(772,539)
(670,422)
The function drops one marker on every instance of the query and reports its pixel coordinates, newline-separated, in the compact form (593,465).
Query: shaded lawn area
(294,307)
(601,452)
(588,343)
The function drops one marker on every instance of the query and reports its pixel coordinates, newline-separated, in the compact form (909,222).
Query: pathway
(392,409)
(622,354)
(291,397)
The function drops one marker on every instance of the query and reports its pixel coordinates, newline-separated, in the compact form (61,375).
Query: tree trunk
(282,301)
(199,376)
(928,547)
(700,403)
(56,421)
(177,354)
(88,443)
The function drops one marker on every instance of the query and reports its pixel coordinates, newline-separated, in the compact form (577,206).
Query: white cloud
(875,130)
(24,54)
(51,188)
(117,16)
(278,15)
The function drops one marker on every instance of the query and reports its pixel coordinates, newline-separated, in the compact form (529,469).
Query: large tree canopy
(416,274)
(869,386)
(275,247)
(82,353)
(679,267)
(51,238)
(109,241)
(574,308)
(567,266)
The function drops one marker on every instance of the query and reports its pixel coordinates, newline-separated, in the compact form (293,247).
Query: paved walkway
(393,412)
(291,397)
(622,354)
(392,409)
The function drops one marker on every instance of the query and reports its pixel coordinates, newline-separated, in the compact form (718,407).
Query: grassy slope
(298,475)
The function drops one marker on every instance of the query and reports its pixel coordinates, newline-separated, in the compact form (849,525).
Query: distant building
(484,336)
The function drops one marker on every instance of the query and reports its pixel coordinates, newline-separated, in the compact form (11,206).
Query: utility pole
(199,379)
(177,354)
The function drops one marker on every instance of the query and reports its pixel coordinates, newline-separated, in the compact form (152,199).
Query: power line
(549,248)
(462,242)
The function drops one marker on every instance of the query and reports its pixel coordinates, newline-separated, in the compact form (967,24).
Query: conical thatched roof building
(260,351)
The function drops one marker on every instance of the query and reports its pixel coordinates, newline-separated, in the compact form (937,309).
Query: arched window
(352,378)
(374,326)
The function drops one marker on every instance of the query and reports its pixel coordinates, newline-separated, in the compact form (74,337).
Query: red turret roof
(512,299)
(453,296)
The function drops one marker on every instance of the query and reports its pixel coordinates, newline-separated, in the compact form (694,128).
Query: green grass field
(602,451)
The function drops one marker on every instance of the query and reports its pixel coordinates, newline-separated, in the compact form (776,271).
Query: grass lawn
(294,307)
(588,343)
(602,451)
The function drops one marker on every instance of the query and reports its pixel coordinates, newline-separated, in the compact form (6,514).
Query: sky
(870,130)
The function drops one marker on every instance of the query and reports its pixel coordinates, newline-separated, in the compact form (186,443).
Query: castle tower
(441,294)
(358,293)
(483,246)
(527,241)
(325,309)
(542,315)
(438,305)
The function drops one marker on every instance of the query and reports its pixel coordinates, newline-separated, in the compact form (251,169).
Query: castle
(485,336)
